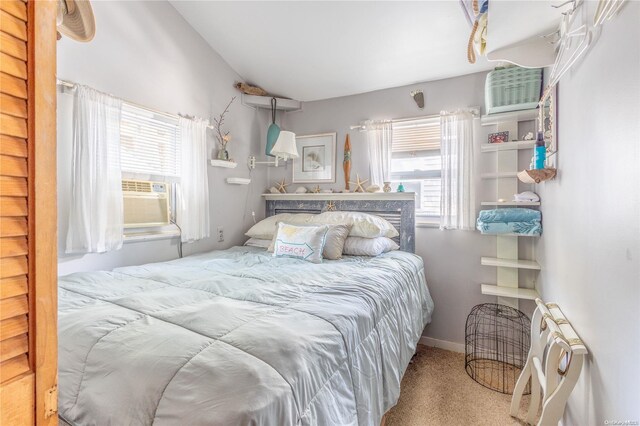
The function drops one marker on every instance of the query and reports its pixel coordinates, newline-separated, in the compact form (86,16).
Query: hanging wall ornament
(274,131)
(346,164)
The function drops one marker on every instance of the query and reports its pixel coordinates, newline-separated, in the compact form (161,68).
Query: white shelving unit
(510,263)
(265,102)
(507,146)
(507,292)
(509,117)
(507,263)
(510,203)
(223,163)
(499,175)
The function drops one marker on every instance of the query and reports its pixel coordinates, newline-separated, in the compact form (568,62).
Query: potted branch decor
(222,136)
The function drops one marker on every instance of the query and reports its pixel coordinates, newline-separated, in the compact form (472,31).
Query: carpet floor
(436,390)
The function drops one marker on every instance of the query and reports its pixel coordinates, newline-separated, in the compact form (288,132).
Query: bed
(240,337)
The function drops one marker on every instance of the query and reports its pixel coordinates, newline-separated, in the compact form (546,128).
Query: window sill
(136,237)
(426,224)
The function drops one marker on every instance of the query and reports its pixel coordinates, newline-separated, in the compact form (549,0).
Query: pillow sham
(257,242)
(265,229)
(300,242)
(363,224)
(358,246)
(336,236)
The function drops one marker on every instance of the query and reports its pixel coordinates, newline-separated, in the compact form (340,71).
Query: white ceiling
(309,50)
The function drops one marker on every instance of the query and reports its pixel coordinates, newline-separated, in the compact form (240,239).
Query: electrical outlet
(220,234)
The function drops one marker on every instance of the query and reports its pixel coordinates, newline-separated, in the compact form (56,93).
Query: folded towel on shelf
(526,196)
(522,228)
(509,215)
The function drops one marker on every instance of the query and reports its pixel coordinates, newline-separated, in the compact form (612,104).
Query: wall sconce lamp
(284,148)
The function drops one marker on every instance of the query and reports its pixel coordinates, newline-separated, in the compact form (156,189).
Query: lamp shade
(285,146)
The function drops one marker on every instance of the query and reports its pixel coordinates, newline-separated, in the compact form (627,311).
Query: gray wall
(590,250)
(146,53)
(452,258)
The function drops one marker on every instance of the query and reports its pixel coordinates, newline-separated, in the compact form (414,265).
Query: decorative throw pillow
(363,224)
(334,243)
(357,246)
(336,237)
(257,242)
(300,242)
(266,228)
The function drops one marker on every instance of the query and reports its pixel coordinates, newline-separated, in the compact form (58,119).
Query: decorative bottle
(540,152)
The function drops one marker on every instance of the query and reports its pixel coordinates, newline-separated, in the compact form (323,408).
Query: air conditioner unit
(145,203)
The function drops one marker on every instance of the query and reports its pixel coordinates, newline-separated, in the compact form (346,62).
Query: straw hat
(75,19)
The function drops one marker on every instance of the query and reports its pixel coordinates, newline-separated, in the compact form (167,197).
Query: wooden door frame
(42,202)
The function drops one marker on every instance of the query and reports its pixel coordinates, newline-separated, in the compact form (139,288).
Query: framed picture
(316,162)
(499,137)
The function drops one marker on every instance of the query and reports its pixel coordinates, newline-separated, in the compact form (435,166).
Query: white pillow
(363,224)
(266,228)
(300,242)
(336,236)
(357,246)
(257,242)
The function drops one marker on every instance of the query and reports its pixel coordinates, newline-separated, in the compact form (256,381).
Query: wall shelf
(223,163)
(501,117)
(506,146)
(510,263)
(499,175)
(510,203)
(517,293)
(238,181)
(265,102)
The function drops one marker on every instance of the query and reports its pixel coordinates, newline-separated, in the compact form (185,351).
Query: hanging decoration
(274,131)
(346,164)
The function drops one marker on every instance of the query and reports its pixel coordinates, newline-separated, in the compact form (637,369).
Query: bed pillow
(257,242)
(266,228)
(300,242)
(363,224)
(336,236)
(358,246)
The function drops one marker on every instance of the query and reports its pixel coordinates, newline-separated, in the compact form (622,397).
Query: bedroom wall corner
(590,249)
(147,53)
(452,258)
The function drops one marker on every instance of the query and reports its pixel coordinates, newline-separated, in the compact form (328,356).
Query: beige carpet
(436,390)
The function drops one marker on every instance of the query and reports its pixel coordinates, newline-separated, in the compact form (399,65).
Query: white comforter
(237,337)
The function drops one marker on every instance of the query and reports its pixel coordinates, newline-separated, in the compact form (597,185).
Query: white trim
(343,196)
(137,237)
(442,344)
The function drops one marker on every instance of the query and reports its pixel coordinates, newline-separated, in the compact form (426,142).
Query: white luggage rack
(553,365)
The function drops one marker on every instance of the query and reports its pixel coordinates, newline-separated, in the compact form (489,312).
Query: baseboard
(442,344)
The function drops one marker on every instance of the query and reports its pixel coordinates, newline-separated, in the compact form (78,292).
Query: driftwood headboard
(397,208)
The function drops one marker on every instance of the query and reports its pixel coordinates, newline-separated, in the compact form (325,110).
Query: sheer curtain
(457,199)
(193,196)
(95,217)
(379,135)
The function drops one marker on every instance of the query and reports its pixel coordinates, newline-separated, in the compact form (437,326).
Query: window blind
(416,135)
(149,142)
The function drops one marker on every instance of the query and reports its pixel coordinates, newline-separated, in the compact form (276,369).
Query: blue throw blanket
(509,215)
(522,228)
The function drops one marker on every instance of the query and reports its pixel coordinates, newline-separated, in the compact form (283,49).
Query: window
(149,143)
(150,149)
(415,161)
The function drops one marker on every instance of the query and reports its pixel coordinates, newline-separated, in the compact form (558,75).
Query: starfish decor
(282,186)
(359,184)
(316,190)
(331,206)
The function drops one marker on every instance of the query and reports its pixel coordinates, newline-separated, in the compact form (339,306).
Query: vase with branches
(223,137)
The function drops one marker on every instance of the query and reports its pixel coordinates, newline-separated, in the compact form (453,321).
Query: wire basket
(497,341)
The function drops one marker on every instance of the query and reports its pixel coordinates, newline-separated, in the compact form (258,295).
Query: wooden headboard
(396,207)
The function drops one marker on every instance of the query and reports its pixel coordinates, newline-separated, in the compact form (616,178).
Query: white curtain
(379,136)
(193,196)
(457,199)
(95,217)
